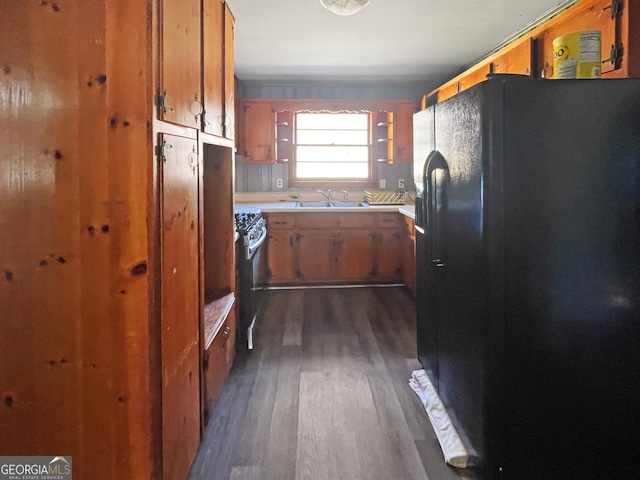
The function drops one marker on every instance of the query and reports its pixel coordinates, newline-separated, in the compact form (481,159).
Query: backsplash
(263,178)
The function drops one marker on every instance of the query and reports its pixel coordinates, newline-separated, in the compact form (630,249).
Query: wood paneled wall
(75,183)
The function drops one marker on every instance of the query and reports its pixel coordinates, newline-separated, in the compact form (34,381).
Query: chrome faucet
(346,196)
(326,195)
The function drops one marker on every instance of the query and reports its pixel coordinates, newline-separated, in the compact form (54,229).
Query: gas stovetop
(251,226)
(246,221)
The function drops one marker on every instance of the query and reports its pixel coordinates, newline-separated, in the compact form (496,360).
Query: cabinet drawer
(317,220)
(356,220)
(280,221)
(389,220)
(335,220)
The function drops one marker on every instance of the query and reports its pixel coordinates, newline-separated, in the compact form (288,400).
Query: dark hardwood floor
(324,395)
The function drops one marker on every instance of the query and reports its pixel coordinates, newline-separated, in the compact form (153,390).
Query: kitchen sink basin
(332,204)
(349,204)
(313,204)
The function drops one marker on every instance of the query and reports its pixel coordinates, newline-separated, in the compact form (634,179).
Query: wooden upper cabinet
(448,90)
(474,77)
(229,78)
(218,78)
(213,66)
(517,59)
(179,97)
(404,133)
(597,17)
(258,137)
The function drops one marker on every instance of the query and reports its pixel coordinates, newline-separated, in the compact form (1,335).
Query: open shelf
(284,134)
(383,136)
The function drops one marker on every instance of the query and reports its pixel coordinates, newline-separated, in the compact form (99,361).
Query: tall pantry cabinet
(106,115)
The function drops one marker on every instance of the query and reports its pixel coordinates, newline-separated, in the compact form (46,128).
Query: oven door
(251,289)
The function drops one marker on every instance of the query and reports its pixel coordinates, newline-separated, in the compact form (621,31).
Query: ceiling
(404,40)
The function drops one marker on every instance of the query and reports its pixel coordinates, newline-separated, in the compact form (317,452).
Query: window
(332,147)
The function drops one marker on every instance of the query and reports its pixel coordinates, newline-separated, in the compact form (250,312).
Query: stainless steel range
(252,228)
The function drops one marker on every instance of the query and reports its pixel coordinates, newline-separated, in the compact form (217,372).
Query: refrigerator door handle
(436,181)
(419,214)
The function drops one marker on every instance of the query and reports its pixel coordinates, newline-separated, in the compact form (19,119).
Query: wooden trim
(174,129)
(630,37)
(215,140)
(329,104)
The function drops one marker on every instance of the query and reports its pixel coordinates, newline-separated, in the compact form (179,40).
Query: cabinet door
(214,371)
(448,91)
(356,256)
(597,17)
(474,77)
(317,255)
(218,359)
(389,255)
(404,134)
(229,80)
(180,305)
(180,63)
(213,63)
(515,60)
(281,254)
(259,133)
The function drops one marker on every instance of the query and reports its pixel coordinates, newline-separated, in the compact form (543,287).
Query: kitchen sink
(313,204)
(332,204)
(349,204)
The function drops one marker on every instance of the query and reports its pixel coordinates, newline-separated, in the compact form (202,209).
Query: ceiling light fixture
(344,7)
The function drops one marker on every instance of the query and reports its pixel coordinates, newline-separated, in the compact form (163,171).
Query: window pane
(332,121)
(332,170)
(332,154)
(333,137)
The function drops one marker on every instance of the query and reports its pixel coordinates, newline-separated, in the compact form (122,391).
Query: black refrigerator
(528,273)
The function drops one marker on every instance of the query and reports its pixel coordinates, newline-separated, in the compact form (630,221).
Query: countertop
(269,203)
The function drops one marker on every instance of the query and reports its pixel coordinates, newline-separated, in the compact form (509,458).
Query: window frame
(368,182)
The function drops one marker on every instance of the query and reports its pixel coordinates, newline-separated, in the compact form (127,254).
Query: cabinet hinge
(615,7)
(161,151)
(615,55)
(161,102)
(161,99)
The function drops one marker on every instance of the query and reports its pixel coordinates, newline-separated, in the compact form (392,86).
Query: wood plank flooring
(324,395)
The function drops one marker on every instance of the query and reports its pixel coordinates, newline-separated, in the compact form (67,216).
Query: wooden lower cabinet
(356,255)
(390,261)
(321,248)
(280,265)
(218,359)
(316,254)
(179,306)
